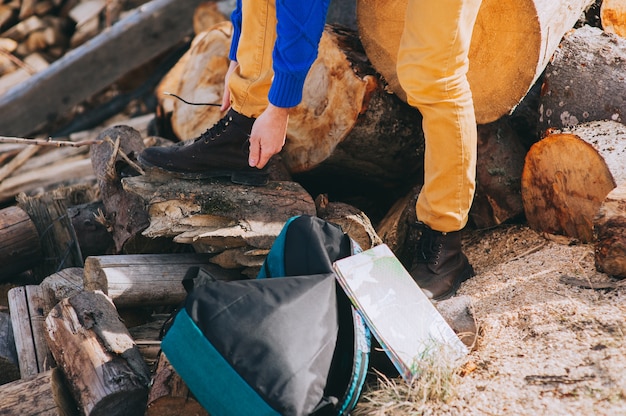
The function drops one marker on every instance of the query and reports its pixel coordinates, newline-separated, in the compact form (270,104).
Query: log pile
(103,249)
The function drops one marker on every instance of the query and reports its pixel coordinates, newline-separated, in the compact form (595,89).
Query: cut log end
(564,181)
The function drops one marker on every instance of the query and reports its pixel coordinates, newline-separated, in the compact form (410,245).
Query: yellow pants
(250,83)
(432,69)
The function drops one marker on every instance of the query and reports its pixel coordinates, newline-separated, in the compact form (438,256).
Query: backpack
(286,343)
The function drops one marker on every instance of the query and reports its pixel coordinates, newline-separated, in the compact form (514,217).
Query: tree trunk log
(29,305)
(169,395)
(568,174)
(9,364)
(137,280)
(104,369)
(43,395)
(19,242)
(585,80)
(613,16)
(610,232)
(511,45)
(219,214)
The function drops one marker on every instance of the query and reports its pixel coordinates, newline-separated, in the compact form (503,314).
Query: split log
(46,394)
(101,363)
(346,120)
(95,65)
(125,213)
(511,45)
(567,175)
(169,395)
(609,227)
(584,81)
(19,242)
(613,16)
(29,306)
(137,280)
(9,364)
(215,214)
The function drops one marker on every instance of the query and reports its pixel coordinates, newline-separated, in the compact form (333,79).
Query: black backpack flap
(312,245)
(278,334)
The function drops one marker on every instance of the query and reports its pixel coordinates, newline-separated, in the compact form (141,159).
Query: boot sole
(241,178)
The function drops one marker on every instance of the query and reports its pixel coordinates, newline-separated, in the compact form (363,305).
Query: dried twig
(47,142)
(17,61)
(116,151)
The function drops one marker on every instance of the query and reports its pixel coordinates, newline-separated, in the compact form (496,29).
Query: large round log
(585,80)
(569,173)
(513,41)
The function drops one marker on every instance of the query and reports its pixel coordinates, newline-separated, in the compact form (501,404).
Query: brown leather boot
(222,150)
(440,266)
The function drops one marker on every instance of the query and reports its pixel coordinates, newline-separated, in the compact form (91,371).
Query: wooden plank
(144,34)
(29,306)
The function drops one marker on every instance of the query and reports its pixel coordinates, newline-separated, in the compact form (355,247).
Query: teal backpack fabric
(286,343)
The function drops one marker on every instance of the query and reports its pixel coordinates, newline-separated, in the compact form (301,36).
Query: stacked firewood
(35,33)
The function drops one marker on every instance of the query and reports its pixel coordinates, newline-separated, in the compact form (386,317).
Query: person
(274,45)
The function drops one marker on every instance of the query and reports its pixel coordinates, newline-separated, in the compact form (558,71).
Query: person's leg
(223,149)
(432,69)
(250,83)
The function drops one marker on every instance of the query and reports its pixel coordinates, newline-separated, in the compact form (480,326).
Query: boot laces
(215,131)
(429,247)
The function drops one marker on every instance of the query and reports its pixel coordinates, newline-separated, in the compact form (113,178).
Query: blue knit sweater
(299,29)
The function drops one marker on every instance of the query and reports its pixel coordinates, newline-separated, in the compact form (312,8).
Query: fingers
(255,152)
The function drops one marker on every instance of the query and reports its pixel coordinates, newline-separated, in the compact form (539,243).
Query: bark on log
(58,239)
(46,394)
(19,242)
(169,395)
(500,161)
(124,213)
(137,280)
(352,221)
(584,81)
(511,45)
(609,227)
(568,174)
(346,122)
(29,306)
(95,65)
(218,214)
(63,284)
(104,369)
(613,16)
(9,365)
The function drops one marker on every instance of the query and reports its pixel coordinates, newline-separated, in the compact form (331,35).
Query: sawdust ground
(551,343)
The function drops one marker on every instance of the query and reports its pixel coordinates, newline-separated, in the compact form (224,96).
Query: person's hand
(226,95)
(268,135)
